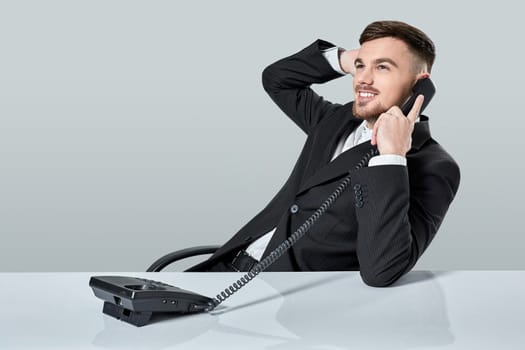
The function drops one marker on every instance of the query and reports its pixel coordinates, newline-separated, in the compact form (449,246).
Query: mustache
(367,88)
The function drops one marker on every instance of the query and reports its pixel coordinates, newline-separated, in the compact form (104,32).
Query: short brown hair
(417,41)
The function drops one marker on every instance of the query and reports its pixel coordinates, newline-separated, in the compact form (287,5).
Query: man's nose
(365,76)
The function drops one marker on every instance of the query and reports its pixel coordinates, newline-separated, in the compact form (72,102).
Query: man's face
(383,78)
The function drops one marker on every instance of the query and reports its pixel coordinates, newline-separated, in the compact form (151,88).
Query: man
(395,204)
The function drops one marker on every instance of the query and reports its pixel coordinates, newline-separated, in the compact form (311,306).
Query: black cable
(290,241)
(167,259)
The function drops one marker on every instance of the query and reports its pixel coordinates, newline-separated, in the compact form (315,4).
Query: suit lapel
(338,167)
(326,139)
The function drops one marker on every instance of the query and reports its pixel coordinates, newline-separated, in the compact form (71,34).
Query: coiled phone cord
(290,241)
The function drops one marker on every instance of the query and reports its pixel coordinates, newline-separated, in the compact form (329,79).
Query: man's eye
(382,67)
(359,66)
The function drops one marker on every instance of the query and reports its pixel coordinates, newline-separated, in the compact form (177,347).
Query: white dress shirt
(359,135)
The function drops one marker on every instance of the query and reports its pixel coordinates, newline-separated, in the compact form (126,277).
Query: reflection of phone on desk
(135,300)
(423,87)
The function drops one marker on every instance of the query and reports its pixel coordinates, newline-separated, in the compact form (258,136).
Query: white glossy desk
(449,310)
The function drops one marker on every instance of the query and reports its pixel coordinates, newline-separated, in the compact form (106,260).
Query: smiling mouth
(365,96)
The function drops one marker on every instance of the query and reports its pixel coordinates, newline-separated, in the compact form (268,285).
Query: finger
(395,111)
(416,109)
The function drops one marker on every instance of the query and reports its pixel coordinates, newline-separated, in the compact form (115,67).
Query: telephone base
(136,318)
(138,300)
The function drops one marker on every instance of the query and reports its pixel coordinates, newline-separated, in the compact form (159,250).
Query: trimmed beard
(376,111)
(369,115)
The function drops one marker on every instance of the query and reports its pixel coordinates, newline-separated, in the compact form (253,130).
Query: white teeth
(366,94)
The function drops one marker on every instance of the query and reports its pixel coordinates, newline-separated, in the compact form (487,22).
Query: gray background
(124,131)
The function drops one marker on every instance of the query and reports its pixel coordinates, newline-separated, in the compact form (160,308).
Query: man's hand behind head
(347,59)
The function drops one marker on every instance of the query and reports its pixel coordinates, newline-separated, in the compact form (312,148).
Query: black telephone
(136,300)
(423,87)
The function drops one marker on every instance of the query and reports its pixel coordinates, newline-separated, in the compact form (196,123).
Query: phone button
(294,209)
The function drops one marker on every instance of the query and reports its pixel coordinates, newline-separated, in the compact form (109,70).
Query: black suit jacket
(385,220)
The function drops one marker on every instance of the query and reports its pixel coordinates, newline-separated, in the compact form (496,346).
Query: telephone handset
(136,300)
(423,87)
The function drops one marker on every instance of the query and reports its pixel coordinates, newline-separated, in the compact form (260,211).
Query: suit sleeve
(397,220)
(288,82)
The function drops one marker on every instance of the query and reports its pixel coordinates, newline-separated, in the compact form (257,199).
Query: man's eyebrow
(385,60)
(378,61)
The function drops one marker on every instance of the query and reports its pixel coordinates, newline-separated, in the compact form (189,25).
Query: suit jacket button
(294,209)
(357,187)
(359,204)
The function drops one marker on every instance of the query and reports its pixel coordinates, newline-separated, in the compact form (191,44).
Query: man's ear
(423,75)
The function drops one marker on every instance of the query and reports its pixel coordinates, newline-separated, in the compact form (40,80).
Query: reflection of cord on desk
(290,291)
